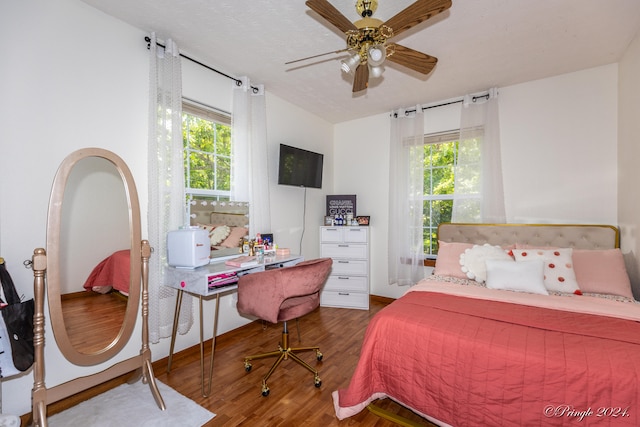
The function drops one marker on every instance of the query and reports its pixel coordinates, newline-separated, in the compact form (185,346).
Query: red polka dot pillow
(558,267)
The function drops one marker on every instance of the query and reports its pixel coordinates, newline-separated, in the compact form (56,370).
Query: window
(440,160)
(206,134)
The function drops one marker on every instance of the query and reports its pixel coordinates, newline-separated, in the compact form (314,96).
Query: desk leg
(176,314)
(213,346)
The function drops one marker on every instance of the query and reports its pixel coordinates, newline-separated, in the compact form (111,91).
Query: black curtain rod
(238,81)
(473,99)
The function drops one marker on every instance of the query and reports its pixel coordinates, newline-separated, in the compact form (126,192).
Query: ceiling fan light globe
(377,54)
(350,64)
(376,71)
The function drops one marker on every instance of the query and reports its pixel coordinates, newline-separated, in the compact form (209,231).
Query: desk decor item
(222,280)
(363,220)
(242,261)
(342,205)
(283,252)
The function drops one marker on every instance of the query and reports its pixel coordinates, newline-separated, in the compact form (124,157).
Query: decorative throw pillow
(217,233)
(448,260)
(525,276)
(473,260)
(602,272)
(235,237)
(559,274)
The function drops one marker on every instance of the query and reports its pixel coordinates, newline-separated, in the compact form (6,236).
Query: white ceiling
(479,44)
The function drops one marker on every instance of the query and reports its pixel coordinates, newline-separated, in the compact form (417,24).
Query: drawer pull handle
(343,293)
(343,262)
(343,246)
(343,278)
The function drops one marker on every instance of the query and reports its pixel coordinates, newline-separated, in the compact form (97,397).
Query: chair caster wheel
(247,366)
(265,391)
(317,382)
(318,356)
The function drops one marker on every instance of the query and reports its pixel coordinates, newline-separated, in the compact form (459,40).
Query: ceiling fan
(368,38)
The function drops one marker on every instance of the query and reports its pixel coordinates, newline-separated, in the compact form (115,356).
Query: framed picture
(267,238)
(363,220)
(328,220)
(341,205)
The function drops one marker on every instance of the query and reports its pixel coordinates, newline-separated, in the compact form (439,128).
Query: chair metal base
(285,352)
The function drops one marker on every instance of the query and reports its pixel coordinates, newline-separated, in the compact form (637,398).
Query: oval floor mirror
(94,272)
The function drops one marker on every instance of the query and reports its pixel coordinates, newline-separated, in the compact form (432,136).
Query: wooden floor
(236,397)
(89,319)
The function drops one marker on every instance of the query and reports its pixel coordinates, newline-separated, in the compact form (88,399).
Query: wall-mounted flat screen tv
(298,167)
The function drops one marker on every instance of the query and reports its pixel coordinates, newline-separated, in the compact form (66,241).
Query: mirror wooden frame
(49,265)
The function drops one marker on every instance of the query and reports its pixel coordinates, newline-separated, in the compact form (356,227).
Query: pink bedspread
(471,362)
(112,272)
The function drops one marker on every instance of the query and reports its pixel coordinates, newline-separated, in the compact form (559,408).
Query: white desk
(196,282)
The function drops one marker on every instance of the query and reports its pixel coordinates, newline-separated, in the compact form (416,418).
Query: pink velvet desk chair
(281,295)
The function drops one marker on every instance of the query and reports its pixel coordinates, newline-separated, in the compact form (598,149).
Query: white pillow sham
(523,276)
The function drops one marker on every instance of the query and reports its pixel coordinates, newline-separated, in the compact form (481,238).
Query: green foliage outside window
(207,154)
(440,161)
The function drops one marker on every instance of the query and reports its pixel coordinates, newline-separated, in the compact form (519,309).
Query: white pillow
(473,260)
(524,276)
(217,234)
(558,267)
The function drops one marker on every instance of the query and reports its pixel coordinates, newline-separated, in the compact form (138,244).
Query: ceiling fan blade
(361,80)
(418,12)
(417,61)
(331,14)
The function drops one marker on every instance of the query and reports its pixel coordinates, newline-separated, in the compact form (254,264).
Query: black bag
(18,318)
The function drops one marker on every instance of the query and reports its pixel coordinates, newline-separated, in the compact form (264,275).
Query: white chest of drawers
(348,283)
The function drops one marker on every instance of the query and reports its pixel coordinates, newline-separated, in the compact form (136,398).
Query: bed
(112,273)
(519,325)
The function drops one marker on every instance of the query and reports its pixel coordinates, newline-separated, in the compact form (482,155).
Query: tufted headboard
(576,236)
(230,219)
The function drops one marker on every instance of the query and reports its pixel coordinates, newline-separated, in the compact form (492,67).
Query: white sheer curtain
(406,176)
(250,179)
(478,191)
(166,183)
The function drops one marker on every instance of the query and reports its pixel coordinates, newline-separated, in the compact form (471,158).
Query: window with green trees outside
(440,160)
(206,134)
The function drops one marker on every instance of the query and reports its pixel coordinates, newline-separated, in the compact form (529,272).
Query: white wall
(74,77)
(559,146)
(296,218)
(559,154)
(628,155)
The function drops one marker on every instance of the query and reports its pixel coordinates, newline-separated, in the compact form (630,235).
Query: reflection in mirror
(226,221)
(94,261)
